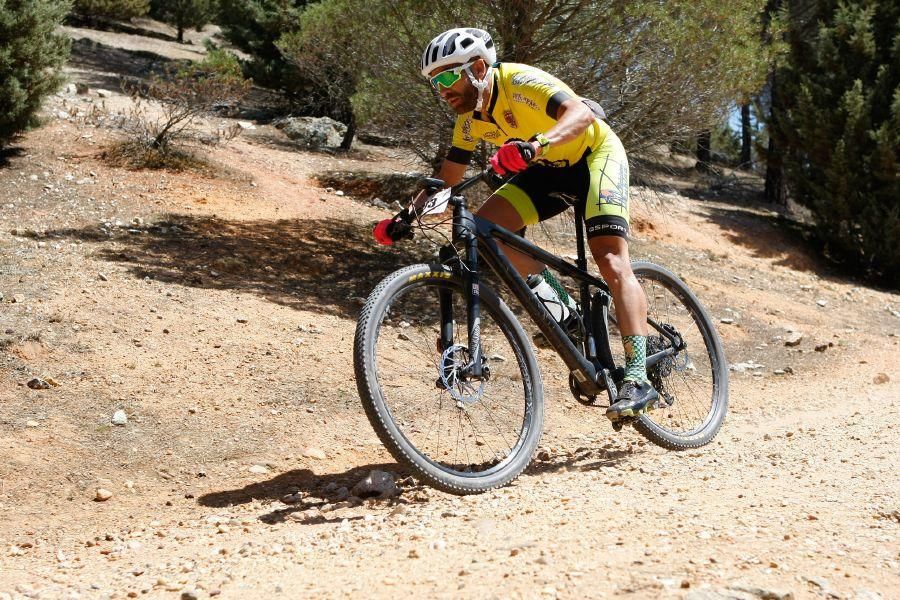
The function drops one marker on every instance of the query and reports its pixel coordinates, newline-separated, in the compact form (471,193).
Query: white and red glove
(513,157)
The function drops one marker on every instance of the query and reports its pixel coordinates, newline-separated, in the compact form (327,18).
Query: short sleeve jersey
(524,103)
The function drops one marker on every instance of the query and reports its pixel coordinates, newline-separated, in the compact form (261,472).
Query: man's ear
(479,68)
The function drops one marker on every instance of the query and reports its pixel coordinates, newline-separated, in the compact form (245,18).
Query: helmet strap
(480,84)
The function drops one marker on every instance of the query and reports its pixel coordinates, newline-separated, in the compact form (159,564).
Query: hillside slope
(217,311)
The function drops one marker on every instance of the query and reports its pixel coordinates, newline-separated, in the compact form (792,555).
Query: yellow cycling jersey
(524,102)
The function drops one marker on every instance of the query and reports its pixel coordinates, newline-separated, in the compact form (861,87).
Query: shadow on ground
(770,235)
(323,266)
(107,67)
(316,492)
(8,153)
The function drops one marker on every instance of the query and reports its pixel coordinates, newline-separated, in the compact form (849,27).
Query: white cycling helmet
(460,45)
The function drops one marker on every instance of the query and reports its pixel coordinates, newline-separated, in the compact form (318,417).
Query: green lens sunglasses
(449,77)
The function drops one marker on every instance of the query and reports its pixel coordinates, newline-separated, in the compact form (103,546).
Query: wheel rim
(475,428)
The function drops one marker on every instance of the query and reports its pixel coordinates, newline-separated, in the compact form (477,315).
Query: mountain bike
(449,379)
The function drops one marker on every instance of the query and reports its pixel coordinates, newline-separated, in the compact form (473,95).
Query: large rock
(315,132)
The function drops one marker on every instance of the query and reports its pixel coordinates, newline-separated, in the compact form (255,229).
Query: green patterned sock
(635,357)
(553,282)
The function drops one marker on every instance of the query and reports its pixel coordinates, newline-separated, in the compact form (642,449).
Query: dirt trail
(218,313)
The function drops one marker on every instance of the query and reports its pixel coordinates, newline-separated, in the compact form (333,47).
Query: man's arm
(572,118)
(450,172)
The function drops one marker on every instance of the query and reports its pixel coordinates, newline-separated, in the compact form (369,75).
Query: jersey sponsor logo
(522,99)
(528,78)
(612,197)
(510,119)
(491,135)
(607,228)
(467,130)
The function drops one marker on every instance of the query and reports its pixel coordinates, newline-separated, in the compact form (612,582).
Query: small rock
(120,418)
(292,498)
(32,424)
(38,384)
(311,452)
(377,484)
(793,338)
(102,495)
(258,470)
(242,319)
(879,379)
(763,593)
(104,93)
(824,347)
(822,303)
(188,595)
(726,320)
(246,125)
(339,193)
(102,277)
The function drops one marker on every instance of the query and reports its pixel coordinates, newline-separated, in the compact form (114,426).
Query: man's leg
(611,254)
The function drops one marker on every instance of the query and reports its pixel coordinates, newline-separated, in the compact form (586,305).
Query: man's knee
(612,259)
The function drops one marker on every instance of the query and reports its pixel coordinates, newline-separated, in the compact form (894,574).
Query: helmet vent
(466,42)
(450,46)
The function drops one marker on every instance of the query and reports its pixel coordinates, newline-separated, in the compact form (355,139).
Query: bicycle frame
(594,368)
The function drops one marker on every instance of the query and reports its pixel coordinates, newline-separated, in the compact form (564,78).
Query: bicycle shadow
(318,265)
(317,490)
(583,459)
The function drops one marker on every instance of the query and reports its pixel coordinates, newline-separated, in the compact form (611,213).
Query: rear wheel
(460,434)
(692,384)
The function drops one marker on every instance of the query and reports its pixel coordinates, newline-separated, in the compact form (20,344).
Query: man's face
(462,95)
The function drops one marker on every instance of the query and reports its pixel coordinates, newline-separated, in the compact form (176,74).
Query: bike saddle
(432,184)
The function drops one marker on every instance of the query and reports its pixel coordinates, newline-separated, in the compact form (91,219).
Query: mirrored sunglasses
(447,78)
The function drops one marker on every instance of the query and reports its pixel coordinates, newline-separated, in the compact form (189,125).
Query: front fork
(469,271)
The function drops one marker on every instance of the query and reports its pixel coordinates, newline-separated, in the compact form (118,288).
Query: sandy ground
(218,313)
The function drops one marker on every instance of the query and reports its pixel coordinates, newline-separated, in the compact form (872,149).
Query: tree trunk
(704,154)
(746,137)
(776,190)
(180,33)
(351,132)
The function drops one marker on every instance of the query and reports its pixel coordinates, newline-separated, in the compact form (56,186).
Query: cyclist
(552,142)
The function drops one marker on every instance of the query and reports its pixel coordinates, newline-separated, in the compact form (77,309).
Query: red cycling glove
(388,231)
(381,232)
(512,157)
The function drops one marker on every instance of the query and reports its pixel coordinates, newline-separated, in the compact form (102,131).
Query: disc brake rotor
(464,392)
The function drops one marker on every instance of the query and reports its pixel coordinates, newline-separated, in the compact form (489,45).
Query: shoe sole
(614,415)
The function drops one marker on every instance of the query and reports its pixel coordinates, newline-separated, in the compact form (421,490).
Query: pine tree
(111,9)
(183,14)
(839,128)
(31,56)
(254,26)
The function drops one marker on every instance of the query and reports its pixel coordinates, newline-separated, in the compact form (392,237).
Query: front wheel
(460,434)
(692,384)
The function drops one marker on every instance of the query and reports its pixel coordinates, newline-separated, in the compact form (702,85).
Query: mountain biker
(552,142)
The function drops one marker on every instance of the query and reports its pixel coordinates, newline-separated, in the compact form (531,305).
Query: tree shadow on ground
(107,67)
(321,265)
(8,153)
(770,235)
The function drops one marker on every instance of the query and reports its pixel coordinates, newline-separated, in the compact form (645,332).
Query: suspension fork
(473,300)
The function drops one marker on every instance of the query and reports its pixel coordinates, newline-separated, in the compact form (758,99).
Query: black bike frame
(594,368)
